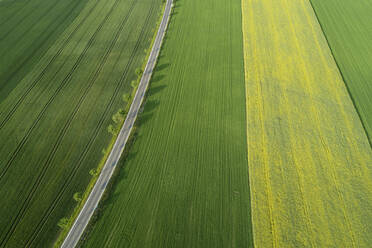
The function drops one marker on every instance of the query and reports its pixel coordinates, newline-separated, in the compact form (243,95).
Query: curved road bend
(90,205)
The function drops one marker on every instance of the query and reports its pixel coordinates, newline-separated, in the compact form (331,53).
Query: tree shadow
(156,89)
(129,157)
(162,66)
(157,78)
(120,175)
(161,55)
(144,116)
(150,106)
(144,119)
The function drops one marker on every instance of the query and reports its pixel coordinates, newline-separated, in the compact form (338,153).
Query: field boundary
(246,117)
(342,75)
(117,148)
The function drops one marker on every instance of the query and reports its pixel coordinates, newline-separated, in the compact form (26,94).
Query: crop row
(50,155)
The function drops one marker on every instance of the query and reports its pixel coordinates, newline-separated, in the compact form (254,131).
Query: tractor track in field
(67,124)
(14,13)
(64,82)
(41,75)
(21,20)
(51,29)
(40,115)
(82,220)
(92,139)
(37,47)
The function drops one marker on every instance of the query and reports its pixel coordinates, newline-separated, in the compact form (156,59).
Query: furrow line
(67,124)
(33,24)
(25,204)
(65,82)
(40,76)
(21,99)
(88,146)
(21,20)
(15,13)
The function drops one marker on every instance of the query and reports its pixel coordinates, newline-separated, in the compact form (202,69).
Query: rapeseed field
(308,156)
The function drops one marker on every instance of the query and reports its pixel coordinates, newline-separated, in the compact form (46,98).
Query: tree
(122,112)
(77,197)
(111,129)
(133,83)
(139,71)
(93,172)
(62,223)
(118,117)
(125,97)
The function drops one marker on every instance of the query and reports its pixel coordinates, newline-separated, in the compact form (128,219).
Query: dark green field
(347,25)
(63,70)
(27,30)
(185,182)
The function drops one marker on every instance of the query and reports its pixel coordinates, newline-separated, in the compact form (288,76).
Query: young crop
(63,70)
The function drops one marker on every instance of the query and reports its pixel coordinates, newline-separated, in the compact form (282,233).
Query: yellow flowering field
(309,158)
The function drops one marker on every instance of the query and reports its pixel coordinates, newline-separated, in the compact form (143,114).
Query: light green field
(55,112)
(185,182)
(309,158)
(347,24)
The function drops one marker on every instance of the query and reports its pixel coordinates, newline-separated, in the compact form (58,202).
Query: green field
(27,30)
(347,25)
(63,70)
(185,182)
(256,129)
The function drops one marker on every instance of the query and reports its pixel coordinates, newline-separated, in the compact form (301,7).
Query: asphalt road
(90,205)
